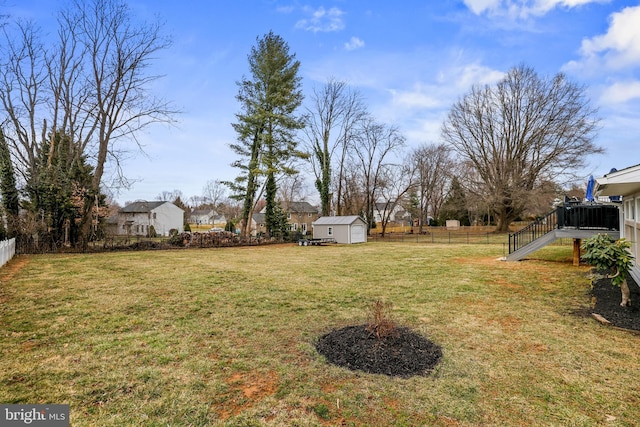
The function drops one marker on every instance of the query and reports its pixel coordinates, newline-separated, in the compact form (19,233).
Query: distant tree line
(507,149)
(71,107)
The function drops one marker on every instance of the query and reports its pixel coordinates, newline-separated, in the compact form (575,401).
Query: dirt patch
(607,300)
(9,270)
(12,268)
(245,390)
(402,353)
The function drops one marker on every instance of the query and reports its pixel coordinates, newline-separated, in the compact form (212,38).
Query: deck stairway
(571,220)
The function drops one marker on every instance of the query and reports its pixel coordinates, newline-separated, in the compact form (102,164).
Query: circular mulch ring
(403,353)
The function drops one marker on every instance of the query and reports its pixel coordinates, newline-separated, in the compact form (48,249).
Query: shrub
(606,256)
(381,323)
(175,238)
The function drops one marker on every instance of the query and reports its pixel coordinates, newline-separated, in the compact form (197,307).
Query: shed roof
(337,220)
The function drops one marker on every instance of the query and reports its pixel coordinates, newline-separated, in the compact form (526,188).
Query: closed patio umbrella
(589,193)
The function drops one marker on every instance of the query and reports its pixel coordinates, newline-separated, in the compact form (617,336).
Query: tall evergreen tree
(8,190)
(266,126)
(455,206)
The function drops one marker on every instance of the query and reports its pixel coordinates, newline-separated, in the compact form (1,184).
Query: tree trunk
(626,294)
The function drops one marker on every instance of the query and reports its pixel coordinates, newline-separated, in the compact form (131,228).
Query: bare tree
(213,192)
(330,124)
(523,130)
(291,188)
(119,52)
(433,168)
(352,197)
(374,150)
(397,182)
(23,93)
(92,86)
(170,196)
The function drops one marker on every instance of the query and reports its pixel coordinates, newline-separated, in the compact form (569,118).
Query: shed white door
(357,233)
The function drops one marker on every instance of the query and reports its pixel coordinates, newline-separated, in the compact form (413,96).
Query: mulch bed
(607,304)
(402,353)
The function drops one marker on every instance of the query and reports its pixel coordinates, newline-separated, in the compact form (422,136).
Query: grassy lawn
(225,337)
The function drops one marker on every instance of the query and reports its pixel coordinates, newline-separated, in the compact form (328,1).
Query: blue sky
(411,60)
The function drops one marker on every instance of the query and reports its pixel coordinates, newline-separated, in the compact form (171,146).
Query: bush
(175,239)
(609,256)
(380,322)
(606,255)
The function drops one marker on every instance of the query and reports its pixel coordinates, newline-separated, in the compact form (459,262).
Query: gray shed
(345,229)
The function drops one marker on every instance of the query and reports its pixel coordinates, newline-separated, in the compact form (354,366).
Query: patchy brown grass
(226,337)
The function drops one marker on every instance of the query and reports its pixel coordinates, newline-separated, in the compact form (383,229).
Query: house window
(304,228)
(154,215)
(630,211)
(309,214)
(329,231)
(288,215)
(295,226)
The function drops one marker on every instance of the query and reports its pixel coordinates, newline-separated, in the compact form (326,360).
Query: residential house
(137,218)
(625,183)
(397,215)
(202,217)
(344,229)
(258,224)
(206,217)
(300,216)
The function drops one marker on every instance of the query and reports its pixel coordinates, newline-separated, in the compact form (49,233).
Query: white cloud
(620,46)
(354,43)
(480,6)
(522,8)
(614,54)
(322,20)
(420,96)
(621,92)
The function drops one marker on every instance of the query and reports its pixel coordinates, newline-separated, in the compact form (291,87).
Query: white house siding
(138,217)
(167,217)
(626,183)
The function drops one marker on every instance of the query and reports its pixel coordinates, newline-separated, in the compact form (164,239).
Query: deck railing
(575,216)
(533,231)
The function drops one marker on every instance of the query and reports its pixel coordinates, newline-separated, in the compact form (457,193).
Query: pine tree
(455,207)
(267,124)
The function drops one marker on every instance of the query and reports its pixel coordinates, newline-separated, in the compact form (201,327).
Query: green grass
(225,337)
